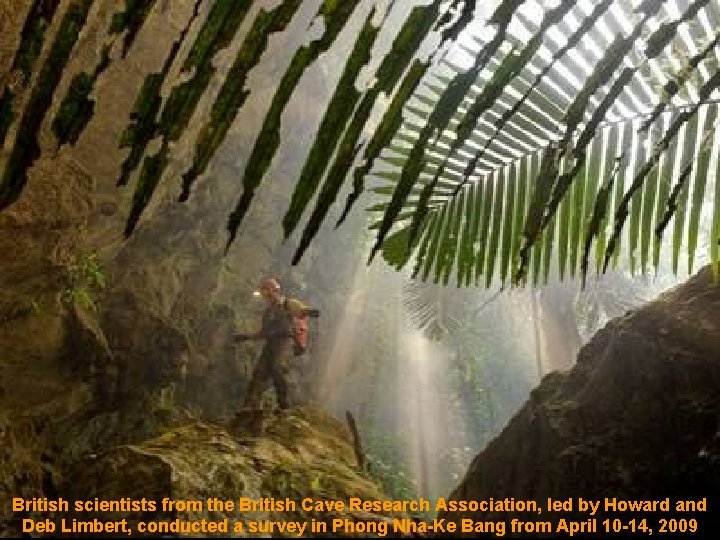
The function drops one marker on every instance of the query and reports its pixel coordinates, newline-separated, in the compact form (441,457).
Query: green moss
(216,34)
(150,175)
(131,20)
(333,123)
(77,108)
(181,104)
(6,113)
(75,111)
(26,149)
(218,31)
(143,127)
(232,94)
(31,42)
(269,138)
(329,6)
(33,35)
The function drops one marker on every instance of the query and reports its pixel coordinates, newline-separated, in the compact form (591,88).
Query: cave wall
(637,417)
(171,297)
(88,358)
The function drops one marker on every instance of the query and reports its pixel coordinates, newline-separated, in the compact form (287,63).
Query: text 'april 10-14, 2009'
(355,516)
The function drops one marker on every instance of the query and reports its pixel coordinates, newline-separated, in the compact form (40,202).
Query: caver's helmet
(269,285)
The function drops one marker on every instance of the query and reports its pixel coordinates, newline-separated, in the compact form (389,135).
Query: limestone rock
(638,417)
(297,454)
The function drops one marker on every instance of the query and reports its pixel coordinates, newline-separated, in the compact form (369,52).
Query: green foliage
(405,46)
(216,34)
(333,123)
(673,86)
(26,148)
(144,117)
(408,39)
(445,108)
(509,68)
(389,125)
(75,110)
(604,69)
(386,464)
(233,94)
(31,42)
(668,30)
(131,21)
(465,17)
(335,17)
(598,216)
(86,278)
(576,176)
(571,42)
(467,190)
(622,212)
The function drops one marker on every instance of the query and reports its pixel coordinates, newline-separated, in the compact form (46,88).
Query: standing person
(278,331)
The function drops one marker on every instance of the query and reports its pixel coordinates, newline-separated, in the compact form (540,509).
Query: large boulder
(637,418)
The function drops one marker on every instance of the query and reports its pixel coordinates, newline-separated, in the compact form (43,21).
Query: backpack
(299,313)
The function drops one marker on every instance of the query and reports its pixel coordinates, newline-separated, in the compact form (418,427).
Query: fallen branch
(357,444)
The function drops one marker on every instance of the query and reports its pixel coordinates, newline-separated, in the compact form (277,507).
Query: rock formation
(297,455)
(637,418)
(108,337)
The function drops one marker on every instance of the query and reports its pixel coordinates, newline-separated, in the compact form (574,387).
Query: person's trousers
(269,366)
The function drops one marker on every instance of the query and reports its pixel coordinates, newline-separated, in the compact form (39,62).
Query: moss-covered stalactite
(333,124)
(335,15)
(143,121)
(26,149)
(143,126)
(232,95)
(389,126)
(78,106)
(408,41)
(31,42)
(217,33)
(390,72)
(131,21)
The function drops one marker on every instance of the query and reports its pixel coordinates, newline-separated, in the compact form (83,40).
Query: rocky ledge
(259,456)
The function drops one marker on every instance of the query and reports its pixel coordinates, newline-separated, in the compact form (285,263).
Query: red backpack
(299,313)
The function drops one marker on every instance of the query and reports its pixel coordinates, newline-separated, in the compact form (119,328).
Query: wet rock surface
(258,454)
(637,418)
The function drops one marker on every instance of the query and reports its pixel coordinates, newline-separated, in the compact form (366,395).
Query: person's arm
(244,336)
